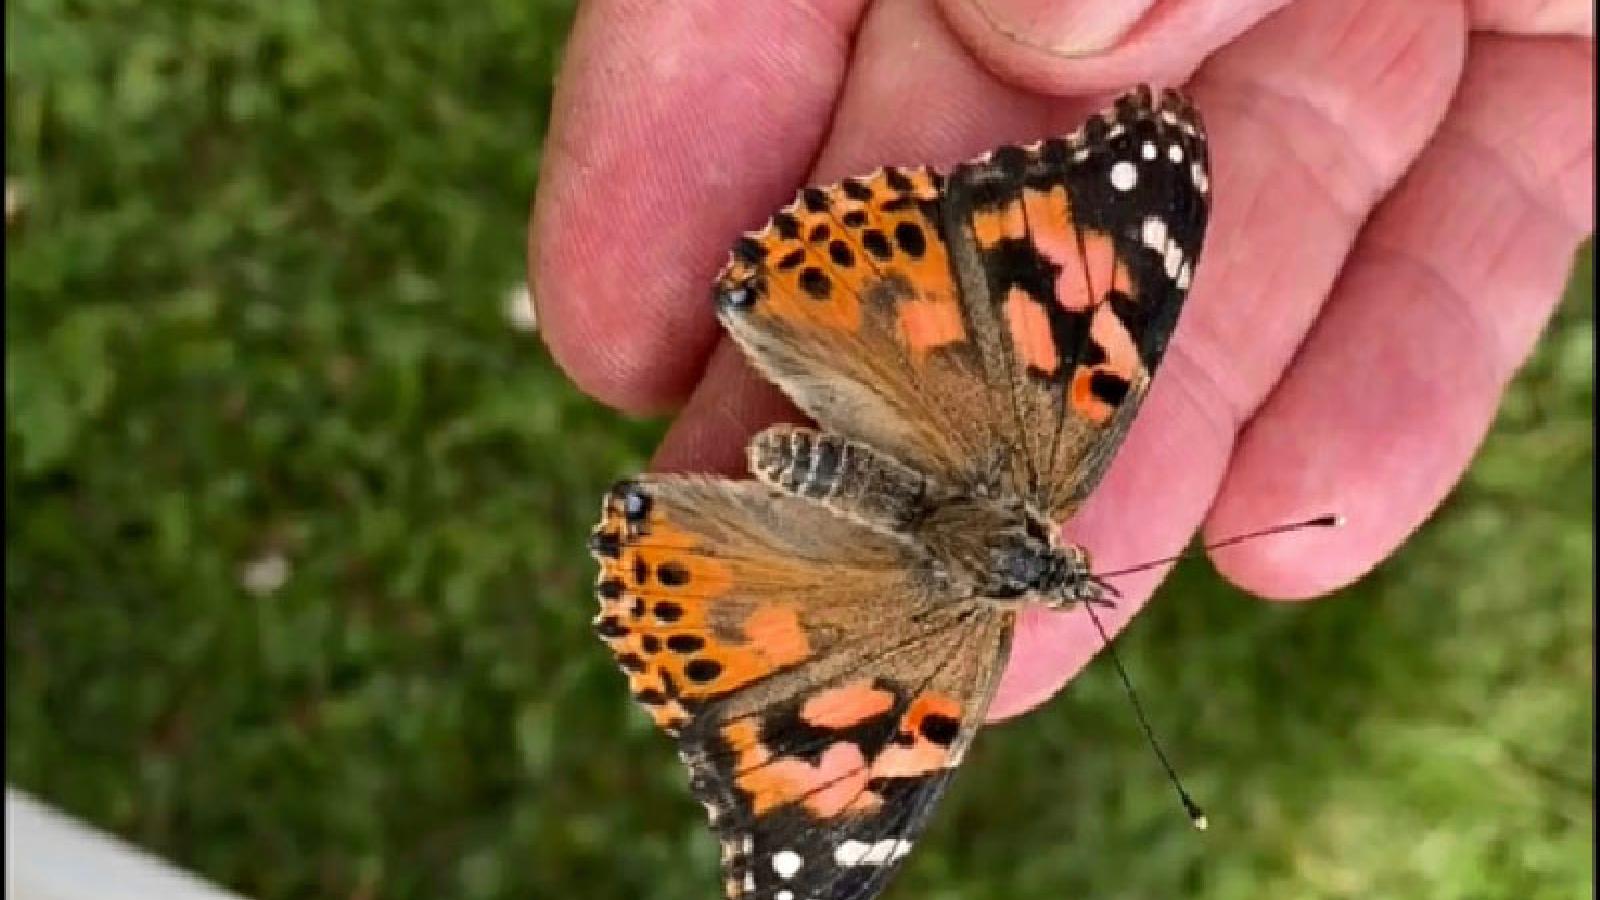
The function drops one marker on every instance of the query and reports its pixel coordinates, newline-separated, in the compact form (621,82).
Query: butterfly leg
(847,476)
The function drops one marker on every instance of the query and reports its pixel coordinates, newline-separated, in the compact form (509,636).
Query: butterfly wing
(846,300)
(999,326)
(820,691)
(1085,249)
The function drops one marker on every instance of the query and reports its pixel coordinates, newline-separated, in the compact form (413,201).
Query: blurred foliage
(295,585)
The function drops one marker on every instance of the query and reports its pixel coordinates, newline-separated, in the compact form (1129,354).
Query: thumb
(1083,46)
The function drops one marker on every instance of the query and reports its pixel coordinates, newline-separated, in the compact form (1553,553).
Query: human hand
(1399,187)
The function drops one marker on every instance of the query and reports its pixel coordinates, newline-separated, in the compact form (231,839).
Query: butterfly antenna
(1328,521)
(1197,816)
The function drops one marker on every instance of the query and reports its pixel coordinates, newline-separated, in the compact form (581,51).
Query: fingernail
(1069,27)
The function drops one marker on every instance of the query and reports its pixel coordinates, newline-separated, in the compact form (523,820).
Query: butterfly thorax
(999,550)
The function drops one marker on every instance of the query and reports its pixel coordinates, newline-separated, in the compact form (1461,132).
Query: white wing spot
(1175,153)
(785,895)
(1124,175)
(1149,150)
(1155,233)
(1174,259)
(786,863)
(1197,173)
(1183,276)
(861,853)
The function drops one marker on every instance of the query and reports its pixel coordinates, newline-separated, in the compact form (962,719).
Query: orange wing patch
(845,706)
(835,783)
(836,252)
(1030,332)
(1098,390)
(926,326)
(656,589)
(991,226)
(842,777)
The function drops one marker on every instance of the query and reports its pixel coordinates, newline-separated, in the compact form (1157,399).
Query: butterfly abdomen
(850,477)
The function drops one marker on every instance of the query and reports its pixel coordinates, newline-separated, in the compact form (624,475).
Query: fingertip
(673,129)
(638,348)
(1376,421)
(1067,48)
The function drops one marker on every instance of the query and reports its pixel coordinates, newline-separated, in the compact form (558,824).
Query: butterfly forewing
(1001,332)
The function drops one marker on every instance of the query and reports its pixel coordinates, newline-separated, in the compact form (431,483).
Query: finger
(1312,116)
(1443,299)
(731,404)
(673,128)
(1557,17)
(1078,46)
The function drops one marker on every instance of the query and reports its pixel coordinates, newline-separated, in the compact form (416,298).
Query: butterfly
(823,640)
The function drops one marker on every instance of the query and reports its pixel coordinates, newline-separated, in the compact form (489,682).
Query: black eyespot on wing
(816,283)
(672,574)
(787,225)
(749,250)
(876,243)
(941,730)
(702,670)
(1109,387)
(855,190)
(911,239)
(685,643)
(606,544)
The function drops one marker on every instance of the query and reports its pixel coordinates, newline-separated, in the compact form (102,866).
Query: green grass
(255,311)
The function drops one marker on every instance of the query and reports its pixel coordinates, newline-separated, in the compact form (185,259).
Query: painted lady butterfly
(823,641)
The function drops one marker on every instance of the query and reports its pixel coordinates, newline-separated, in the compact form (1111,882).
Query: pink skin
(1400,186)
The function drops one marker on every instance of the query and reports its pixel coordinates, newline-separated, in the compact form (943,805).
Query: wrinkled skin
(1400,186)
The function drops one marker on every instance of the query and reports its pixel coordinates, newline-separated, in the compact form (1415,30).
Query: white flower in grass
(16,199)
(265,574)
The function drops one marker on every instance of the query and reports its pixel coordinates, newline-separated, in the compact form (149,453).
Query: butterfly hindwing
(823,793)
(1013,334)
(821,689)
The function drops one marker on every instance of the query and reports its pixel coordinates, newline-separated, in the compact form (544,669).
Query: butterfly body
(823,640)
(974,546)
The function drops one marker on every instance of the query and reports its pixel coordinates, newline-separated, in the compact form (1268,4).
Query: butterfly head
(1070,579)
(1057,573)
